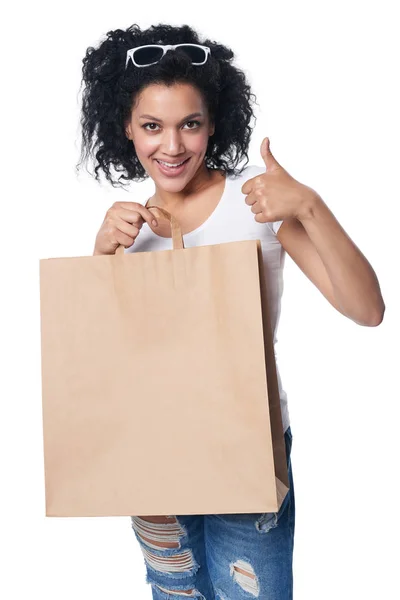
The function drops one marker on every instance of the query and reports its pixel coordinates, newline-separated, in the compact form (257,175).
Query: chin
(172,186)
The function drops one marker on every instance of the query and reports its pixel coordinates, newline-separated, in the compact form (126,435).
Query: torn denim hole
(177,594)
(244,575)
(266,522)
(161,547)
(173,591)
(159,535)
(270,520)
(172,564)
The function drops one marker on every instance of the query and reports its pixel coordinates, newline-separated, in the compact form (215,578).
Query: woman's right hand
(121,226)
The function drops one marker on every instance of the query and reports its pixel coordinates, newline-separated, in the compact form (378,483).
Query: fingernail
(155,223)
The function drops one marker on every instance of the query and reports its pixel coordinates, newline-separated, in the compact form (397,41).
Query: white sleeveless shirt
(232,221)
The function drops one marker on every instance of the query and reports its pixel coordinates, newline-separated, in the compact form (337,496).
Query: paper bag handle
(176,232)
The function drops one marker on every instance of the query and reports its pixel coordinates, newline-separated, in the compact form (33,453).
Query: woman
(160,103)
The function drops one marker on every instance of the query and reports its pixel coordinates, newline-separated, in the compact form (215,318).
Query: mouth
(170,169)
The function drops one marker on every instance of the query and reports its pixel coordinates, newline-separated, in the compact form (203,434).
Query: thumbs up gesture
(275,195)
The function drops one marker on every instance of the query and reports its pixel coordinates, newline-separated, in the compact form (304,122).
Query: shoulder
(247,173)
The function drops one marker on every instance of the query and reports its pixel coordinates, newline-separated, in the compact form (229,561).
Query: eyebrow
(187,118)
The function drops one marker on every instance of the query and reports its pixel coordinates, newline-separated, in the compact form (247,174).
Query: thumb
(270,161)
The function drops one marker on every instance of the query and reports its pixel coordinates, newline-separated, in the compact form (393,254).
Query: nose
(171,144)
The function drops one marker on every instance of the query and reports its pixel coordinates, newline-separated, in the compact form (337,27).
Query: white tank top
(232,221)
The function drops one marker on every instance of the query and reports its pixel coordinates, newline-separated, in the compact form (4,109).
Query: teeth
(169,165)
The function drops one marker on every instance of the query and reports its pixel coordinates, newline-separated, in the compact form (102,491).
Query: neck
(174,200)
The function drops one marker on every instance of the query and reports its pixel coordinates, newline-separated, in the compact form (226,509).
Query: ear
(212,129)
(128,131)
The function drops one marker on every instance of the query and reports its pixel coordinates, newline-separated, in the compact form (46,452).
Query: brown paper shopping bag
(159,387)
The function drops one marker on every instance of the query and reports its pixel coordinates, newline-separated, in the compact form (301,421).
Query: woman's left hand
(275,195)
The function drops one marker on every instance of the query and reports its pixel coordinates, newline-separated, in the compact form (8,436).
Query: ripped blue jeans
(221,557)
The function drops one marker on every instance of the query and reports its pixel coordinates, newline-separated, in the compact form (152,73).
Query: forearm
(354,282)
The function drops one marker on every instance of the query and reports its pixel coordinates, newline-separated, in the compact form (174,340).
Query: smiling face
(170,124)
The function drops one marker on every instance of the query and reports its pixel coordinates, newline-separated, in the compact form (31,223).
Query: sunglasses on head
(144,56)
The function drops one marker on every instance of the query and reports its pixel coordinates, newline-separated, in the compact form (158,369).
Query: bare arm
(329,258)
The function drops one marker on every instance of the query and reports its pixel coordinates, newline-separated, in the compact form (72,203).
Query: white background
(326,79)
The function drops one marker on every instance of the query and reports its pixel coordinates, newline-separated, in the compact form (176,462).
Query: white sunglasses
(144,56)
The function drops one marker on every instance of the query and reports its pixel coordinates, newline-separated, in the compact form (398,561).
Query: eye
(197,123)
(146,124)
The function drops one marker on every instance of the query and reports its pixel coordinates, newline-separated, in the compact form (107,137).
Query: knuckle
(267,214)
(135,233)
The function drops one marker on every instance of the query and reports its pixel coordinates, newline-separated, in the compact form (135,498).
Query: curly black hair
(111,90)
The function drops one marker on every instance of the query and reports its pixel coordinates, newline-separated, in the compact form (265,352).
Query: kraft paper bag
(159,385)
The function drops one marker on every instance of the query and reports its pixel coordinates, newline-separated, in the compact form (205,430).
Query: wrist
(308,204)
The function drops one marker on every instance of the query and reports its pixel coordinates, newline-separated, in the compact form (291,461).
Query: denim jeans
(221,557)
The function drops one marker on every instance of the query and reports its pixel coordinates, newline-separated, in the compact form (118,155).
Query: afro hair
(111,89)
